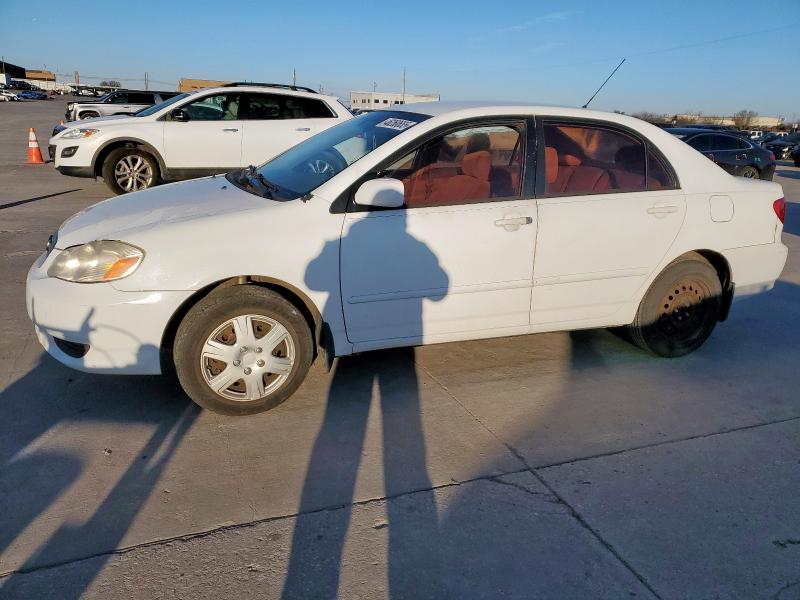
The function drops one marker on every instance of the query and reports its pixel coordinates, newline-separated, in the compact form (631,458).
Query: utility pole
(294,77)
(372,101)
(146,82)
(403,100)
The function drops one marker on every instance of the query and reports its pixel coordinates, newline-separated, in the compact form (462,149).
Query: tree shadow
(316,554)
(35,199)
(33,477)
(788,174)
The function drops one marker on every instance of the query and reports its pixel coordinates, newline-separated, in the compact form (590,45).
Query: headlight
(105,260)
(74,134)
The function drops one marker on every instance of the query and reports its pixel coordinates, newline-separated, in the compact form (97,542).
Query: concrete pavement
(550,466)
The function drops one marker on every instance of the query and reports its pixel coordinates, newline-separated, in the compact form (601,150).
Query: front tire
(680,310)
(129,170)
(88,115)
(242,350)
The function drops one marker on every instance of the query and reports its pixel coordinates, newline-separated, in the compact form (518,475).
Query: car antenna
(604,83)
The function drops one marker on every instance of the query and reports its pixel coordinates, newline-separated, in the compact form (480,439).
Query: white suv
(198,133)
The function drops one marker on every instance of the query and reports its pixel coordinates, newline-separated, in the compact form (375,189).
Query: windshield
(311,163)
(146,112)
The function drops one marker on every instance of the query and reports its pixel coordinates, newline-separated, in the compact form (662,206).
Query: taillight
(772,156)
(779,206)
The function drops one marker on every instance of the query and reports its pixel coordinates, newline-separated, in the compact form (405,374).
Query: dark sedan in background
(733,153)
(782,147)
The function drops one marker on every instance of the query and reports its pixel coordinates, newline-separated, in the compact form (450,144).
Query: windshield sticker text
(398,124)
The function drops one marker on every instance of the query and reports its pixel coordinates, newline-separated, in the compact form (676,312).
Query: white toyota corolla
(423,224)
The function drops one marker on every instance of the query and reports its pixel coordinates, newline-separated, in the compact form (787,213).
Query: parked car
(796,155)
(422,224)
(24,85)
(193,134)
(119,102)
(6,96)
(738,156)
(30,95)
(782,146)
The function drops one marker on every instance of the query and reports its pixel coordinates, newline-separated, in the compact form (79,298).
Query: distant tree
(651,117)
(744,118)
(111,83)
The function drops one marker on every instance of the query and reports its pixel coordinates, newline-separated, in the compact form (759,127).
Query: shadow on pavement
(20,202)
(31,479)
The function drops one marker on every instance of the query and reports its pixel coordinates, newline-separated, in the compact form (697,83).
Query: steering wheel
(327,164)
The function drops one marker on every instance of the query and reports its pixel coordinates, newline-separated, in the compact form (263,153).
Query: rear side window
(140,98)
(262,107)
(591,159)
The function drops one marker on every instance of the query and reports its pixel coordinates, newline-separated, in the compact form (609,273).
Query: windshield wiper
(253,172)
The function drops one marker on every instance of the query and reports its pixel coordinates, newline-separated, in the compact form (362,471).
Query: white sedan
(427,223)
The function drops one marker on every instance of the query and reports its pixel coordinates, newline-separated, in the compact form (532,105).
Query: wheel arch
(723,269)
(322,340)
(128,142)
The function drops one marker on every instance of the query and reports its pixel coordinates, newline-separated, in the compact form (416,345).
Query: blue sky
(549,52)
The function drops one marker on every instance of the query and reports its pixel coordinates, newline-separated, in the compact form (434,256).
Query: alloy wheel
(133,173)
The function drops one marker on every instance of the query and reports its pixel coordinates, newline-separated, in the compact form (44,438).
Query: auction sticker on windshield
(398,124)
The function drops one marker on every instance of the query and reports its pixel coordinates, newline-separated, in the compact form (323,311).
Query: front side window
(470,165)
(591,159)
(217,107)
(118,98)
(702,143)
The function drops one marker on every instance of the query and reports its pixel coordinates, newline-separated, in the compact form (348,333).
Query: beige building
(376,100)
(187,85)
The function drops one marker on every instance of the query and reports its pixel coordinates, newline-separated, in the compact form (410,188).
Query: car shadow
(788,174)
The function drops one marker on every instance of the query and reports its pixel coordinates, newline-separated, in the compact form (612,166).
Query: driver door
(211,139)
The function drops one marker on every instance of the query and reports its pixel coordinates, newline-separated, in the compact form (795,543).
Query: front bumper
(120,332)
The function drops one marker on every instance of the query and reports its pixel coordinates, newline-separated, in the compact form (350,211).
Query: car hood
(103,119)
(159,207)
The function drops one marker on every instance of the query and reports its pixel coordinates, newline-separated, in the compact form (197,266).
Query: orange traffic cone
(34,152)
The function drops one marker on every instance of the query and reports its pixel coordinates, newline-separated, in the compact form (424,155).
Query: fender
(162,167)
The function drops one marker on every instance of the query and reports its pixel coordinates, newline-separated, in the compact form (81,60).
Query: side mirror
(384,192)
(179,115)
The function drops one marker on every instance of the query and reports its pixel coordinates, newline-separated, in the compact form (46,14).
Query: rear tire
(749,172)
(224,354)
(680,310)
(129,170)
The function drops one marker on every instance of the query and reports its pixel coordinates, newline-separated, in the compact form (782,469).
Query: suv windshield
(146,112)
(308,165)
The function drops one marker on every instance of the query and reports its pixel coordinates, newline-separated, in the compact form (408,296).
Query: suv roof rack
(286,86)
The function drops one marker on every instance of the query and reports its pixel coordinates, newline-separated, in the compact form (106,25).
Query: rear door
(276,122)
(211,138)
(610,211)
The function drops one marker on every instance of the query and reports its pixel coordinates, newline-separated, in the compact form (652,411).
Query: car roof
(694,131)
(264,90)
(472,109)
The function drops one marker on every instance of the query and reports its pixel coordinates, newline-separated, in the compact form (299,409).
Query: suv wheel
(681,308)
(87,115)
(129,170)
(242,350)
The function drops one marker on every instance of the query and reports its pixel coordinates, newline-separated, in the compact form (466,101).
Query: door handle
(661,211)
(230,129)
(303,129)
(513,223)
